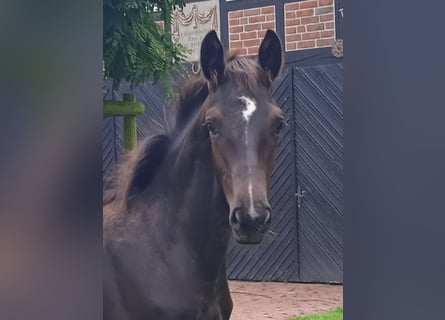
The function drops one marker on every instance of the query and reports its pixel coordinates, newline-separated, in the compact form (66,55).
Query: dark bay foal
(181,196)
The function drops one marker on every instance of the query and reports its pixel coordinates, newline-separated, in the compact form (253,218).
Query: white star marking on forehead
(250,107)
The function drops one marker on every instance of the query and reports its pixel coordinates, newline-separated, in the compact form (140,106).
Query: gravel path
(279,301)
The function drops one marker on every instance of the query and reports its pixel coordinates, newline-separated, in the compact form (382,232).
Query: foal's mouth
(249,236)
(249,240)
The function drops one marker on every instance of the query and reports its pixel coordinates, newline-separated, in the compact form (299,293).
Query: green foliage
(136,48)
(333,315)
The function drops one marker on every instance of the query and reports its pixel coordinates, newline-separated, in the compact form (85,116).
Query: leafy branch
(136,47)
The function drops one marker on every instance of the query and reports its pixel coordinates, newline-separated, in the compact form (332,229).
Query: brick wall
(248,27)
(309,24)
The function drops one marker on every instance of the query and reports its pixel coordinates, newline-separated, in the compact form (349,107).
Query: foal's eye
(211,126)
(279,125)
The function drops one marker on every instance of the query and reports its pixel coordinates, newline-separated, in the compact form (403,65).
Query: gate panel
(108,148)
(318,102)
(275,258)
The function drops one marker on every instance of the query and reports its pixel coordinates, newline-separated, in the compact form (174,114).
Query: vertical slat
(108,148)
(318,96)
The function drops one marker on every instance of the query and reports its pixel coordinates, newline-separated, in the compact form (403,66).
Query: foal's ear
(270,55)
(212,58)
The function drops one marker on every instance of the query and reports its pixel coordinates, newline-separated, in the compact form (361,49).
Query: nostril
(235,218)
(268,218)
(263,220)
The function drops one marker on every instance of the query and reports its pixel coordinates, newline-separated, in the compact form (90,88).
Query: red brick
(251,43)
(256,19)
(293,37)
(292,6)
(291,30)
(267,10)
(309,20)
(270,17)
(242,52)
(327,34)
(261,33)
(268,25)
(252,12)
(324,10)
(235,14)
(234,37)
(243,21)
(305,13)
(310,36)
(251,27)
(322,3)
(290,15)
(292,22)
(330,25)
(234,22)
(248,35)
(253,50)
(291,46)
(301,29)
(324,42)
(306,44)
(327,17)
(308,4)
(236,29)
(315,27)
(236,44)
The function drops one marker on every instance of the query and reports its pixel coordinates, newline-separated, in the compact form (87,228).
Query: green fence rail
(129,108)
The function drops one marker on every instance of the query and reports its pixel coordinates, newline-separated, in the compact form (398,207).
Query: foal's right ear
(212,58)
(270,55)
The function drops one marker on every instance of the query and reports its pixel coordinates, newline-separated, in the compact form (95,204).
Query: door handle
(299,195)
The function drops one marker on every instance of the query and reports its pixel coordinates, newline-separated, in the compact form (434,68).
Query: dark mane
(140,166)
(137,171)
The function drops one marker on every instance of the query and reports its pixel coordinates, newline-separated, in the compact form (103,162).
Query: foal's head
(243,122)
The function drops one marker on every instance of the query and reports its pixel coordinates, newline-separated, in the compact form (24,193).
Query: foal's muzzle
(249,225)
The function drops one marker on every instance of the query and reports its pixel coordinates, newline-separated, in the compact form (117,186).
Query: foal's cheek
(221,170)
(270,165)
(218,167)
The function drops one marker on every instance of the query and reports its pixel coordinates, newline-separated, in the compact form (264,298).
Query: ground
(280,301)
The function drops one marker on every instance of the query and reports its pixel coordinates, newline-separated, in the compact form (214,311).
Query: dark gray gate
(318,104)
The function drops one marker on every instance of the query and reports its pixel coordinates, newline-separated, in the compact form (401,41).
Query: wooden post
(130,131)
(128,108)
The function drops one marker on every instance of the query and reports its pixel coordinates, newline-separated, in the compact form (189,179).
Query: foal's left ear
(212,58)
(270,55)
